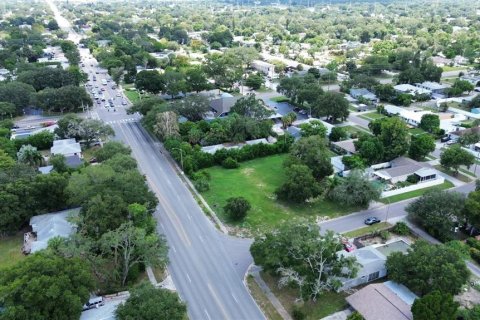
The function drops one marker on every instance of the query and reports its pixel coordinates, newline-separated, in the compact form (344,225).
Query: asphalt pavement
(207,267)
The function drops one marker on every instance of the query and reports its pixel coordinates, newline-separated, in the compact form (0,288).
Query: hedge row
(194,159)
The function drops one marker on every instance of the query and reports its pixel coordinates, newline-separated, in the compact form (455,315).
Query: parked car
(445,139)
(93,303)
(371,220)
(124,103)
(450,142)
(349,247)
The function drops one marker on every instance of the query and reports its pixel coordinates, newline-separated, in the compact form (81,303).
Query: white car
(118,94)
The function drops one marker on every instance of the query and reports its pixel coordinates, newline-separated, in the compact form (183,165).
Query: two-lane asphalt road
(393,211)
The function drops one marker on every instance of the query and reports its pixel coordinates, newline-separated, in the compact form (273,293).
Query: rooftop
(50,225)
(382,301)
(65,147)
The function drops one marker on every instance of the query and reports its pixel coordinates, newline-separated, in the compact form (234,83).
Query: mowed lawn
(256,180)
(11,250)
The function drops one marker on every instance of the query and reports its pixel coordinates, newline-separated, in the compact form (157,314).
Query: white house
(372,262)
(412,90)
(412,118)
(66,147)
(266,68)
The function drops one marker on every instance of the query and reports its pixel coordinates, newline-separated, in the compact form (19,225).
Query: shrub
(460,247)
(473,243)
(475,254)
(413,178)
(237,208)
(355,316)
(385,235)
(230,163)
(298,314)
(201,185)
(401,228)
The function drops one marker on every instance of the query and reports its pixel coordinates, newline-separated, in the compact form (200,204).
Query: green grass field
(356,130)
(366,230)
(372,116)
(416,193)
(262,300)
(133,96)
(460,176)
(11,250)
(280,99)
(256,180)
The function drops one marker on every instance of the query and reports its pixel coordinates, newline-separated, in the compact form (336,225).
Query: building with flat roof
(266,68)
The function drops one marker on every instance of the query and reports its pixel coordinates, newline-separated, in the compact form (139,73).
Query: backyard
(416,193)
(372,116)
(256,180)
(326,303)
(11,250)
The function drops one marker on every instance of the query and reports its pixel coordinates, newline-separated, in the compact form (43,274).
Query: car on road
(124,103)
(103,89)
(445,139)
(371,220)
(103,98)
(118,94)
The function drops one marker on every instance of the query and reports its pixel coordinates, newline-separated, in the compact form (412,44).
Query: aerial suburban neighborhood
(240,160)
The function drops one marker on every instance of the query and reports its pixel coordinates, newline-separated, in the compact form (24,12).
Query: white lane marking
(234,298)
(174,250)
(208,316)
(189,216)
(201,238)
(188,277)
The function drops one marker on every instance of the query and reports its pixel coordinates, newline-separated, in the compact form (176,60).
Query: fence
(414,187)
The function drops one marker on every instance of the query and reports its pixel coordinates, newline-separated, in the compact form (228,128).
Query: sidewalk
(255,272)
(422,234)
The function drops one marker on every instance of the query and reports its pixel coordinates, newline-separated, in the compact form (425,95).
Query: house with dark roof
(363,93)
(403,167)
(382,301)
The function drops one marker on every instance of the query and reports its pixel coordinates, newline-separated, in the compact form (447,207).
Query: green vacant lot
(256,180)
(11,250)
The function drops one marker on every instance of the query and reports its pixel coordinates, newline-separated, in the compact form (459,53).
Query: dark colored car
(445,139)
(371,220)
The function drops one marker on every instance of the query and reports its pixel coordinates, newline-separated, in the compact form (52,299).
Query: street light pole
(181,156)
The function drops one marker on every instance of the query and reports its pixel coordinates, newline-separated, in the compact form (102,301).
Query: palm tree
(28,154)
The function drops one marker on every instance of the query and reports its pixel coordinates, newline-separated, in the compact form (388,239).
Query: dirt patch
(469,298)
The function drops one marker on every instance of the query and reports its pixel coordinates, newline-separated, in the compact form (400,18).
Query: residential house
(401,168)
(455,135)
(345,146)
(472,78)
(460,60)
(381,301)
(371,260)
(48,226)
(266,68)
(414,91)
(327,125)
(66,147)
(411,117)
(221,105)
(434,87)
(441,61)
(365,94)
